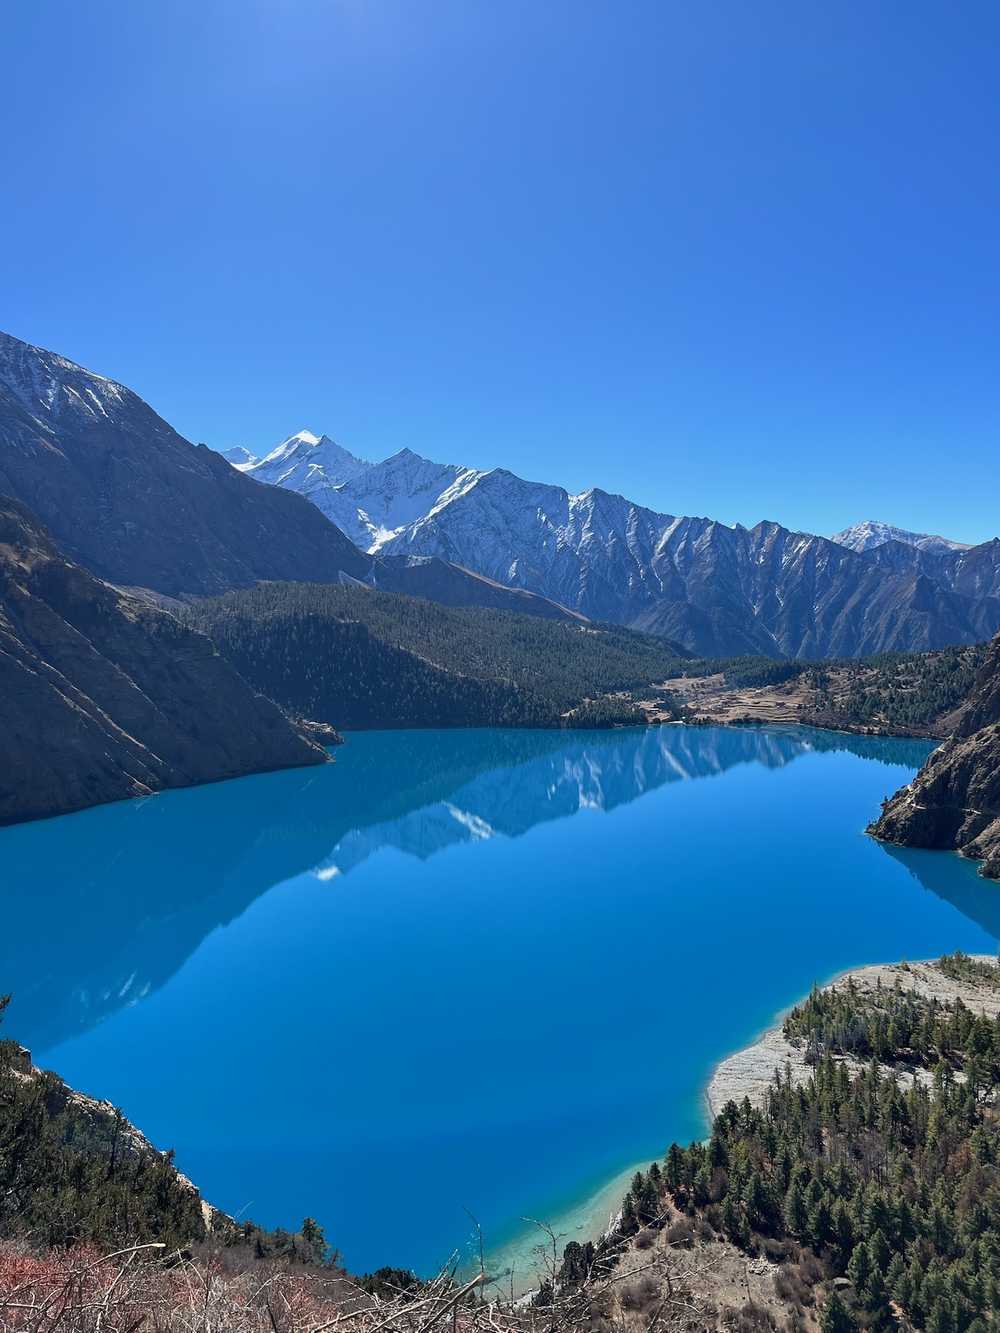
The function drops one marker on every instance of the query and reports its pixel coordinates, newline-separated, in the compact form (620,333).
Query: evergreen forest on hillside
(72,1172)
(358,658)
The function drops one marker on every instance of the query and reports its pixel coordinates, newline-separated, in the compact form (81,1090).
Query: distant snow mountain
(870,534)
(308,460)
(371,502)
(715,589)
(239,457)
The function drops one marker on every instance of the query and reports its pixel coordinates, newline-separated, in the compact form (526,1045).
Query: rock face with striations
(103,696)
(954,801)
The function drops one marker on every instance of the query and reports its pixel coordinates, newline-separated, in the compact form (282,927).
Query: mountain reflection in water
(137,885)
(465,969)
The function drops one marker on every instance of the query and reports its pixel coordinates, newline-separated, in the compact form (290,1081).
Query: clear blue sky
(728,257)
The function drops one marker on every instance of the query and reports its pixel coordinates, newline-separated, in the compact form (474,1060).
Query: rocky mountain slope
(871,533)
(715,589)
(103,696)
(131,500)
(954,801)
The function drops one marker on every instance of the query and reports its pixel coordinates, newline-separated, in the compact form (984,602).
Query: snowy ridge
(370,502)
(716,589)
(47,385)
(241,458)
(871,533)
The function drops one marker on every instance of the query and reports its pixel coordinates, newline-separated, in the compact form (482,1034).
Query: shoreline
(746,1072)
(750,1071)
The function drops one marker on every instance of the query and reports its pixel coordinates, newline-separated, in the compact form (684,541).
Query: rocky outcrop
(103,696)
(954,801)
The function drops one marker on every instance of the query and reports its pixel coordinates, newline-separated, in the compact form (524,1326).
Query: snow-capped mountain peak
(241,458)
(371,502)
(306,462)
(871,533)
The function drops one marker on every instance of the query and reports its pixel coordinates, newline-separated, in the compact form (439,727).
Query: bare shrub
(754,1318)
(790,1288)
(640,1295)
(681,1233)
(811,1268)
(778,1251)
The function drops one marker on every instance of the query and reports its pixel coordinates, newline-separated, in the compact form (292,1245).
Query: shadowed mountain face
(717,590)
(104,697)
(116,945)
(132,501)
(127,497)
(954,801)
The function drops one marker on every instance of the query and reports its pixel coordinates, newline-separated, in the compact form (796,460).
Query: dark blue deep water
(481,970)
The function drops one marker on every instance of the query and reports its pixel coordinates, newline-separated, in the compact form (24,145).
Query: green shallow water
(465,970)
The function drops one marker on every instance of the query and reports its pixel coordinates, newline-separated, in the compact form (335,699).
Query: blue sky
(727,258)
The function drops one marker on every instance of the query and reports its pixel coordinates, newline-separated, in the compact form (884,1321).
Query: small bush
(754,1318)
(681,1233)
(780,1251)
(641,1294)
(811,1269)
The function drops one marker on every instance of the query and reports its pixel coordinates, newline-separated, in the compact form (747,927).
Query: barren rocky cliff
(954,801)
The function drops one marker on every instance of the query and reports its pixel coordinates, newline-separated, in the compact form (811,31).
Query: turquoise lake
(482,970)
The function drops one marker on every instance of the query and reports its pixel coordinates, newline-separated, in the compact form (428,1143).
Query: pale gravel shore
(750,1071)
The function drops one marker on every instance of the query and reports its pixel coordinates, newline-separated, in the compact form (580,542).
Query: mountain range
(715,589)
(124,495)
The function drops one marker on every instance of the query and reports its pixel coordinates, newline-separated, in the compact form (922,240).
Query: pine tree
(313,1240)
(859,1269)
(674,1167)
(836,1318)
(820,1224)
(941,1318)
(794,1211)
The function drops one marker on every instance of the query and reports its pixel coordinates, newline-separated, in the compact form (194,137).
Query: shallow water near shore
(465,970)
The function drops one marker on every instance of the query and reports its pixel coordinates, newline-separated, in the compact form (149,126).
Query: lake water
(482,970)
